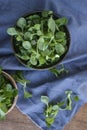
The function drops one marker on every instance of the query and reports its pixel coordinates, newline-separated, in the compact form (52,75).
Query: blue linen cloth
(44,82)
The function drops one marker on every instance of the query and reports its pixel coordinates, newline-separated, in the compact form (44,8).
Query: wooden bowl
(13,85)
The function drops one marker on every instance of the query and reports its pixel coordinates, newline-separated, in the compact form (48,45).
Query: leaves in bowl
(7,95)
(38,33)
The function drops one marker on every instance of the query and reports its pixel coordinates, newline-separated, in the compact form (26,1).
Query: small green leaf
(34,17)
(19,38)
(33,42)
(45,14)
(12,31)
(39,33)
(21,23)
(68,92)
(27,94)
(15,92)
(45,99)
(55,107)
(69,101)
(49,121)
(50,12)
(26,45)
(41,44)
(60,49)
(58,72)
(37,26)
(0,69)
(61,21)
(60,35)
(18,76)
(9,87)
(2,115)
(25,57)
(28,36)
(33,60)
(76,98)
(51,24)
(48,110)
(55,71)
(42,60)
(60,104)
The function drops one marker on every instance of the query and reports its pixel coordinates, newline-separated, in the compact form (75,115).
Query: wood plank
(15,120)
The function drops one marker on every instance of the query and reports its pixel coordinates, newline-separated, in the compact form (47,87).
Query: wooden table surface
(15,120)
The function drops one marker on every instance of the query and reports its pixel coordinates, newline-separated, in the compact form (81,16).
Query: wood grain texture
(15,120)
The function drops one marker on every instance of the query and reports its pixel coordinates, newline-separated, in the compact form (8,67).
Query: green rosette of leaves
(40,39)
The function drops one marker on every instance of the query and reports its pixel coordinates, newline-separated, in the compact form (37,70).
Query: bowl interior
(15,48)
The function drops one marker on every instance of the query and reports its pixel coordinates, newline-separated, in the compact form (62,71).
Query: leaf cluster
(40,38)
(7,95)
(58,72)
(18,76)
(51,110)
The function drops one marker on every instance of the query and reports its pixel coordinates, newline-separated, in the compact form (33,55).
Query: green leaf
(18,76)
(33,60)
(45,99)
(49,35)
(69,101)
(9,87)
(60,35)
(25,57)
(46,52)
(49,121)
(34,17)
(27,94)
(50,12)
(21,23)
(48,110)
(68,92)
(0,69)
(19,38)
(58,72)
(51,24)
(60,49)
(61,21)
(54,113)
(45,14)
(60,104)
(39,33)
(15,92)
(26,45)
(37,26)
(28,36)
(1,98)
(12,31)
(2,115)
(55,107)
(33,42)
(55,71)
(42,60)
(76,98)
(42,45)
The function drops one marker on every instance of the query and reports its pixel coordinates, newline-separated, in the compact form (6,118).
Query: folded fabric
(43,82)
